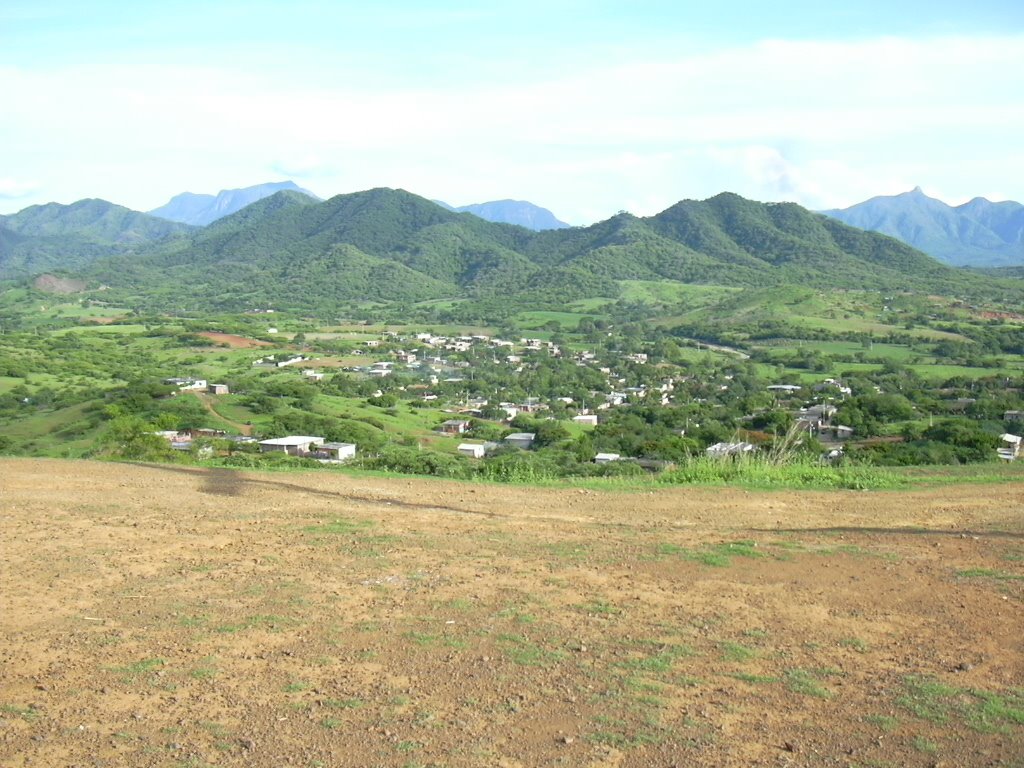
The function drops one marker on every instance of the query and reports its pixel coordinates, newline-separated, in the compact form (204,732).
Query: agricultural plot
(176,616)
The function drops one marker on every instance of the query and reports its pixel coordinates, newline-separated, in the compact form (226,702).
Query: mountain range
(383,245)
(978,233)
(291,251)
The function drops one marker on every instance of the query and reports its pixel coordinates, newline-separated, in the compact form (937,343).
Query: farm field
(183,616)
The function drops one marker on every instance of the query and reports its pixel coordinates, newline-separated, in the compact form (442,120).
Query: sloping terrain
(166,616)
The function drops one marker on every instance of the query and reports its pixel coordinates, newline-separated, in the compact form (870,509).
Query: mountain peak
(202,209)
(520,212)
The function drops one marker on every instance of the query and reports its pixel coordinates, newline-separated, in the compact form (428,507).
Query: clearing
(179,616)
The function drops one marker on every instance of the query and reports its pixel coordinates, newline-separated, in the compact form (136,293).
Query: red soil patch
(236,342)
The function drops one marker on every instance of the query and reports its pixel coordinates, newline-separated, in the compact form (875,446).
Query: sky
(586,107)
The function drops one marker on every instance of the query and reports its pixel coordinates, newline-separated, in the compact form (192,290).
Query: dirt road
(170,616)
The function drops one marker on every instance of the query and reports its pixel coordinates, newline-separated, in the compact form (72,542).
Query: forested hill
(387,245)
(55,236)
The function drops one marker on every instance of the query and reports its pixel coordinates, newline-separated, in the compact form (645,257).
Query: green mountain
(978,233)
(68,237)
(383,245)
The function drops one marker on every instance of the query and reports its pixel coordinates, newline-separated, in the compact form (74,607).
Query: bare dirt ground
(171,616)
(234,341)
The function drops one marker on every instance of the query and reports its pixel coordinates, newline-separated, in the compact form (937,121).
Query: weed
(855,643)
(295,686)
(339,527)
(660,662)
(330,723)
(805,681)
(599,607)
(423,639)
(921,744)
(133,672)
(990,573)
(736,652)
(25,713)
(748,678)
(885,722)
(343,703)
(523,651)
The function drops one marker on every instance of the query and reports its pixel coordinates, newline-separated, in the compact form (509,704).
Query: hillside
(68,237)
(978,233)
(201,209)
(387,245)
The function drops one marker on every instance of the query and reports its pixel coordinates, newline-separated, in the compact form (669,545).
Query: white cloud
(822,123)
(13,189)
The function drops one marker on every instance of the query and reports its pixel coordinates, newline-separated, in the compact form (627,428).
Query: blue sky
(583,107)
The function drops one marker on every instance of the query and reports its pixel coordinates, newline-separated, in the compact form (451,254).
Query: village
(463,377)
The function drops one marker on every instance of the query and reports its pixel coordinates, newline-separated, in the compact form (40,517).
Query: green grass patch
(132,672)
(339,527)
(886,722)
(753,679)
(25,713)
(989,573)
(806,682)
(982,711)
(525,652)
(737,652)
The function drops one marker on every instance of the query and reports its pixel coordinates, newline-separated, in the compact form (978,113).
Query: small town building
(473,450)
(293,445)
(522,440)
(336,451)
(604,458)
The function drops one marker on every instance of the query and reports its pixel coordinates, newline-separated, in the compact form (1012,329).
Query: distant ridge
(520,212)
(200,210)
(978,233)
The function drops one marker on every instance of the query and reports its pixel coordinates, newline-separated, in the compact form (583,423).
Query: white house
(522,440)
(586,419)
(293,445)
(604,458)
(473,450)
(1011,447)
(338,451)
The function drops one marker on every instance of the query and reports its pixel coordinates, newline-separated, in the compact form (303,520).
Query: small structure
(1011,447)
(336,452)
(309,373)
(586,419)
(1013,416)
(293,445)
(522,440)
(721,450)
(787,388)
(454,427)
(217,389)
(473,450)
(185,385)
(604,458)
